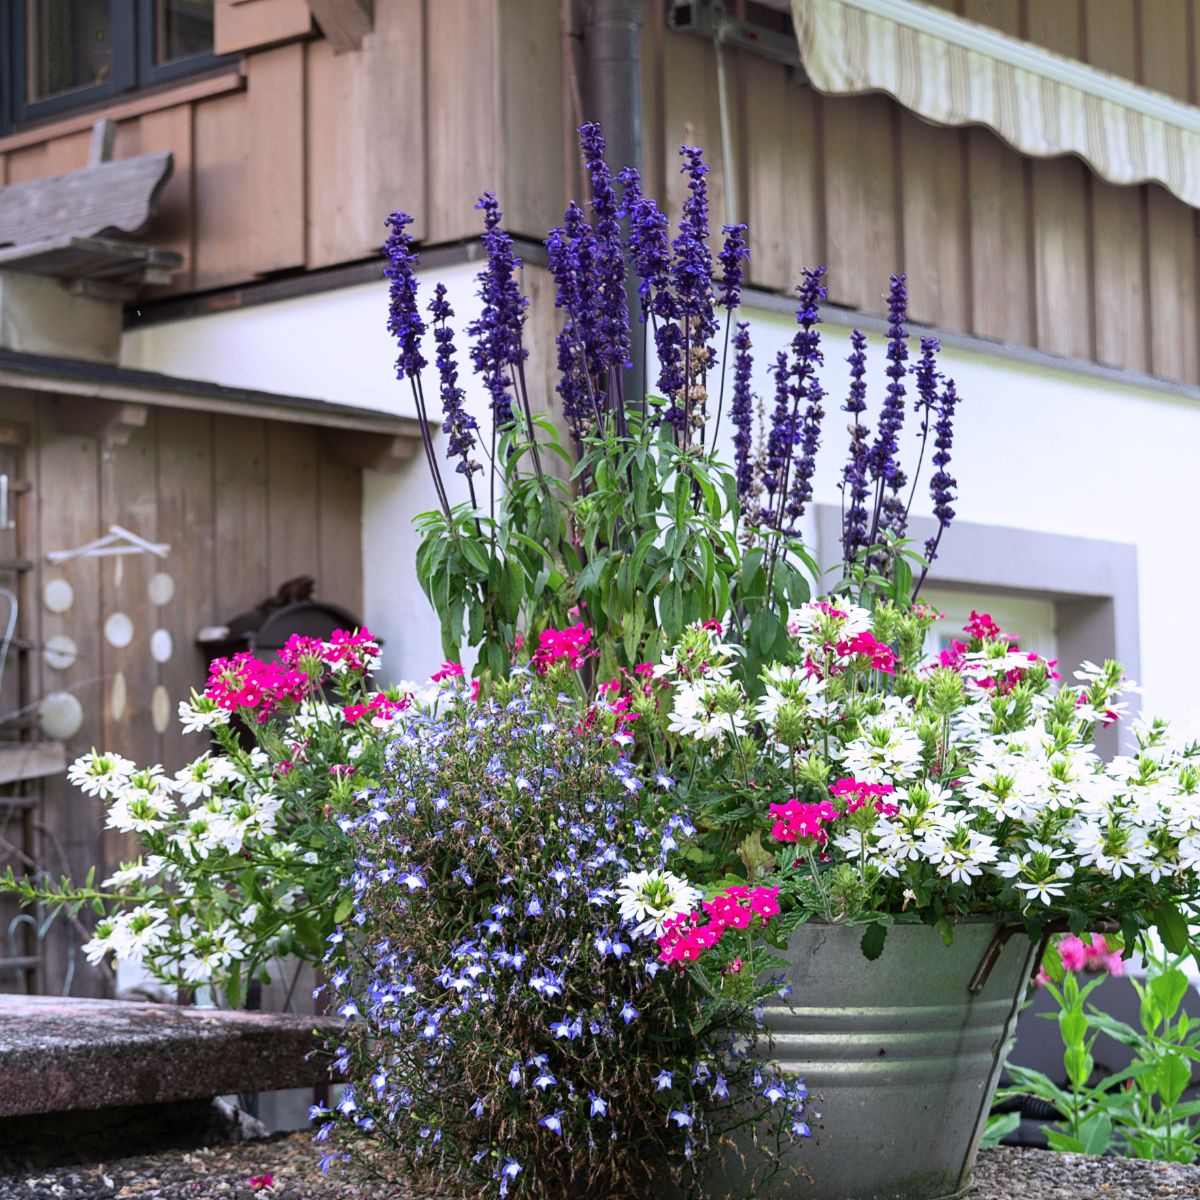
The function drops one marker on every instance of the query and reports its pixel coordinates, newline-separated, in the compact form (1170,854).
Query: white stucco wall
(1037,447)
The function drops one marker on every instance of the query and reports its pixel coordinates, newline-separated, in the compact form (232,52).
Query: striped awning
(953,71)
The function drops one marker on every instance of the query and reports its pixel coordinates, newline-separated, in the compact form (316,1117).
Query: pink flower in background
(259,1183)
(982,626)
(556,644)
(1077,955)
(1073,953)
(882,656)
(448,670)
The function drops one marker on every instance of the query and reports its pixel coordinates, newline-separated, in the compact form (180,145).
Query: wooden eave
(99,396)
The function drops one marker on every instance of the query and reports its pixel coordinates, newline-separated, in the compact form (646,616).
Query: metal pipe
(728,167)
(612,78)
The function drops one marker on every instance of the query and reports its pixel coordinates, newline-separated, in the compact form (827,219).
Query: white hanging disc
(60,715)
(162,645)
(118,696)
(160,589)
(60,652)
(58,595)
(118,630)
(160,709)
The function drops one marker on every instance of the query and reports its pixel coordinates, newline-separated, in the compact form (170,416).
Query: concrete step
(63,1055)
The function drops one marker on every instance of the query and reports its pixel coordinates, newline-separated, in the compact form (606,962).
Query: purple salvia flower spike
(885,466)
(612,306)
(407,327)
(734,253)
(572,264)
(404,318)
(458,424)
(806,460)
(854,483)
(691,276)
(498,350)
(741,413)
(942,483)
(807,356)
(779,439)
(649,247)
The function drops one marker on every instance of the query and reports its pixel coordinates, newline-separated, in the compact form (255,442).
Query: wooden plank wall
(1038,253)
(243,504)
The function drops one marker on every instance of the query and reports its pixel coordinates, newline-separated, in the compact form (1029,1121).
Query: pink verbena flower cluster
(981,628)
(684,938)
(804,823)
(377,705)
(558,645)
(854,795)
(808,824)
(882,656)
(244,681)
(356,649)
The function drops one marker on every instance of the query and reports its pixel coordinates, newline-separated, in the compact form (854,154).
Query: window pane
(70,45)
(183,29)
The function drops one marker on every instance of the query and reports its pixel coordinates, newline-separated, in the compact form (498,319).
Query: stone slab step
(63,1055)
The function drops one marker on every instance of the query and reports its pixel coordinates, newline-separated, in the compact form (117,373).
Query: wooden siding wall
(1037,253)
(243,504)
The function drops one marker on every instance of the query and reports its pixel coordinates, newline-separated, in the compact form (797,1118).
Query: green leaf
(344,909)
(872,941)
(1168,990)
(998,1128)
(1174,1074)
(233,991)
(1063,1142)
(631,633)
(1172,927)
(475,555)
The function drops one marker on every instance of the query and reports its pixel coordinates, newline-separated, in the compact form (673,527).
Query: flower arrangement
(510,1030)
(243,853)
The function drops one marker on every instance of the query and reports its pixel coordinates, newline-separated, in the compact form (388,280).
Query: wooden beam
(368,451)
(109,421)
(343,22)
(31,760)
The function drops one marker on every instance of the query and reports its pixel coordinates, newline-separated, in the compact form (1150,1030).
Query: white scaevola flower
(141,810)
(695,714)
(883,753)
(102,775)
(201,716)
(651,898)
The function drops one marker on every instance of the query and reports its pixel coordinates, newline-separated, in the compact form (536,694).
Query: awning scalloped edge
(953,71)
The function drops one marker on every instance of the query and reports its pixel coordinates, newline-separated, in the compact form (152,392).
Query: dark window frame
(133,65)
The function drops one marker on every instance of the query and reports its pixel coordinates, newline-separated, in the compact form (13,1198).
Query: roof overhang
(103,400)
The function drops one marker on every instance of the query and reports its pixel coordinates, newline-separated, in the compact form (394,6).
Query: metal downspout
(612,77)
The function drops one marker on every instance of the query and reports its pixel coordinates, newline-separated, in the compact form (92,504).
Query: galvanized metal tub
(901,1059)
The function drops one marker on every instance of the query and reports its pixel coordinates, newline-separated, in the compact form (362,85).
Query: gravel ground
(225,1172)
(1005,1174)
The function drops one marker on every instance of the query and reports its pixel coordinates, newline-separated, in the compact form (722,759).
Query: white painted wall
(1037,448)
